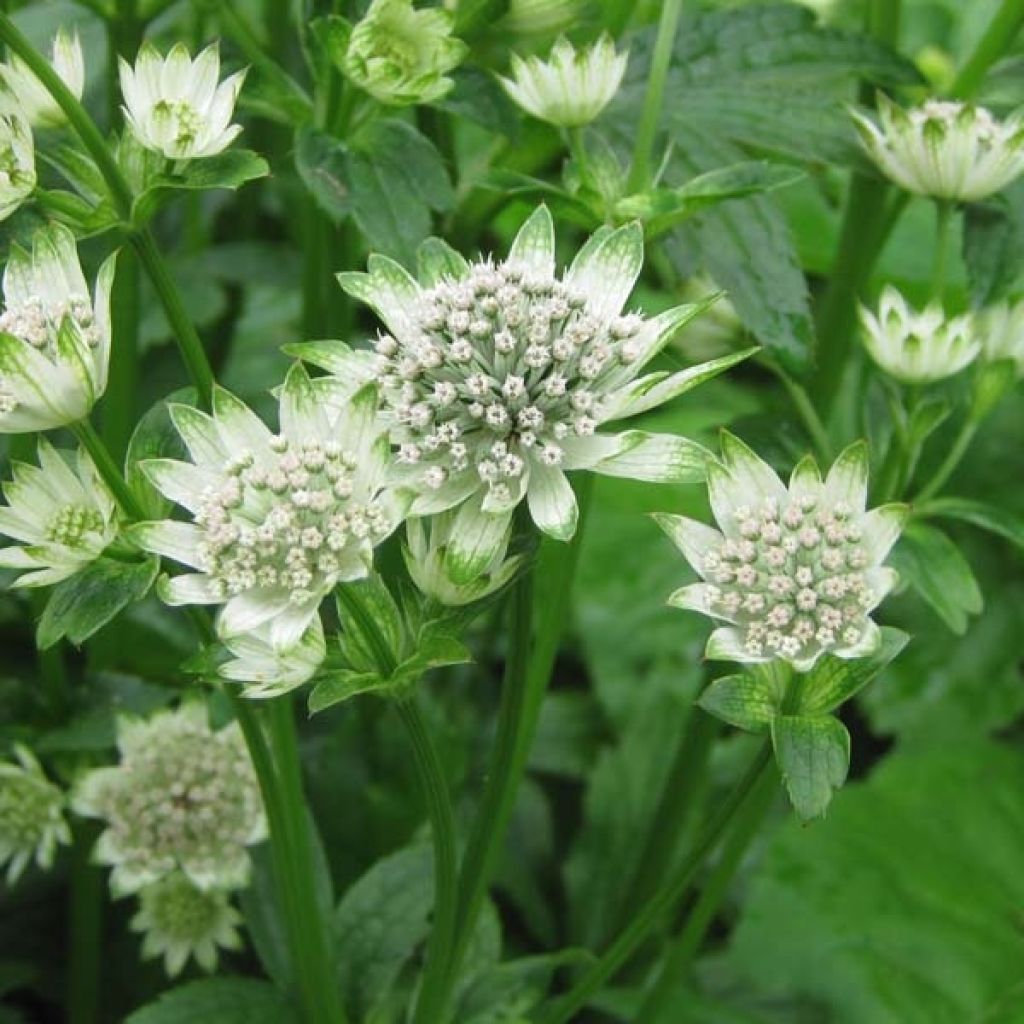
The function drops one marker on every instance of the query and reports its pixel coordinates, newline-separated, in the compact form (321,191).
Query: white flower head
(572,86)
(1000,328)
(54,341)
(180,920)
(35,103)
(268,672)
(947,150)
(496,377)
(184,797)
(32,822)
(427,540)
(795,571)
(277,520)
(17,162)
(61,514)
(918,347)
(174,105)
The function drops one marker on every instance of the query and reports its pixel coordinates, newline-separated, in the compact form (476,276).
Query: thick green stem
(430,1007)
(121,401)
(943,216)
(661,60)
(564,1008)
(107,468)
(1001,32)
(85,925)
(950,462)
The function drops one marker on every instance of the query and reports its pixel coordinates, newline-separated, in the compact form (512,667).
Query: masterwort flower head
(174,105)
(426,541)
(184,797)
(54,341)
(572,86)
(268,672)
(32,821)
(179,920)
(918,347)
(947,150)
(400,55)
(1001,330)
(795,572)
(277,519)
(17,162)
(495,378)
(61,514)
(32,98)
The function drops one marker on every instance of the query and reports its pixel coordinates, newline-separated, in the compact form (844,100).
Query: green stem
(430,1007)
(661,60)
(120,403)
(107,468)
(804,408)
(686,945)
(564,1008)
(85,925)
(1001,32)
(950,462)
(943,216)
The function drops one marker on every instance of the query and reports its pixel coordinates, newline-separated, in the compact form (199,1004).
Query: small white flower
(947,150)
(183,798)
(174,105)
(17,162)
(180,920)
(795,572)
(427,540)
(61,514)
(32,820)
(277,519)
(54,341)
(267,672)
(572,86)
(918,347)
(32,98)
(520,422)
(1001,330)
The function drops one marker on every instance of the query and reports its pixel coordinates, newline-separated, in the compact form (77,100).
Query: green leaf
(813,755)
(222,1000)
(477,97)
(373,634)
(993,245)
(929,562)
(87,601)
(747,701)
(78,170)
(342,684)
(155,437)
(322,164)
(978,513)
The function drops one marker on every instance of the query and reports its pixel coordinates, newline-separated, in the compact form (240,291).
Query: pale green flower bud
(399,55)
(1001,330)
(540,17)
(268,672)
(917,347)
(180,920)
(32,820)
(572,86)
(34,101)
(17,163)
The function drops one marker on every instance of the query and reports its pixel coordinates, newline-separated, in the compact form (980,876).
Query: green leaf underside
(813,755)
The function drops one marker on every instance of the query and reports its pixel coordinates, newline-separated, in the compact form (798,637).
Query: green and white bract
(277,519)
(572,86)
(947,150)
(399,55)
(17,162)
(917,347)
(183,798)
(174,105)
(180,920)
(795,572)
(35,103)
(61,514)
(268,672)
(495,378)
(32,822)
(54,342)
(1001,330)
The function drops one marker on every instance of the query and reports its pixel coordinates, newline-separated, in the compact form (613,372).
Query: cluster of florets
(793,579)
(505,361)
(32,819)
(286,520)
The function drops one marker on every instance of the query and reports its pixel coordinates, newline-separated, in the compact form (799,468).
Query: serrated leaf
(477,97)
(813,755)
(217,1001)
(978,513)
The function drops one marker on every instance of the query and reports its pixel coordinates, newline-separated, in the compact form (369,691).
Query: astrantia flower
(947,150)
(795,572)
(174,105)
(267,672)
(399,55)
(54,342)
(572,86)
(62,515)
(35,103)
(496,377)
(180,920)
(184,797)
(277,519)
(427,540)
(1001,330)
(918,347)
(31,815)
(17,163)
